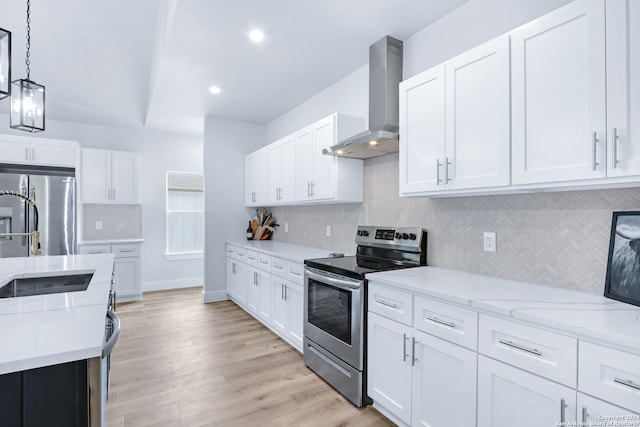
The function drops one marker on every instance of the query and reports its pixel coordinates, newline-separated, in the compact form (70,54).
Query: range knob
(405,236)
(412,236)
(365,233)
(398,236)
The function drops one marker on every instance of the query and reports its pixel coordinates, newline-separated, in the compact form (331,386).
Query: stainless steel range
(335,295)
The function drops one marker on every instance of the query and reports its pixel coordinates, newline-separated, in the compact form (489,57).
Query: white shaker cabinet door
(558,95)
(274,172)
(389,359)
(53,152)
(623,87)
(509,396)
(592,411)
(96,176)
(14,149)
(478,117)
(125,174)
(293,295)
(288,178)
(304,164)
(422,132)
(444,383)
(323,185)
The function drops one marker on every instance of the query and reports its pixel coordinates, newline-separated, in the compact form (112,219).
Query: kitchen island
(43,330)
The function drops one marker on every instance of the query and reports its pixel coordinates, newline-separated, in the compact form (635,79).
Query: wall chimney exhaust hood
(385,74)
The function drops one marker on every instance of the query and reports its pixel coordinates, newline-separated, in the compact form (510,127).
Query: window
(185,215)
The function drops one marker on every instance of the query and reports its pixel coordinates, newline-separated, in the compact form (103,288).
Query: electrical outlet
(489,241)
(98,225)
(286,227)
(328,231)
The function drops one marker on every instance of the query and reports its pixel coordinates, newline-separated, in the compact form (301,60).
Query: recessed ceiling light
(373,142)
(256,35)
(214,90)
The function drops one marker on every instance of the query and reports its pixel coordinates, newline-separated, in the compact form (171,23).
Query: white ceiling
(134,63)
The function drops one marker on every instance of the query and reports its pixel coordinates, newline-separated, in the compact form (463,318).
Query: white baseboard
(215,296)
(163,285)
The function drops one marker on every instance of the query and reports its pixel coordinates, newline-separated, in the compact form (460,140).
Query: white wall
(225,144)
(160,151)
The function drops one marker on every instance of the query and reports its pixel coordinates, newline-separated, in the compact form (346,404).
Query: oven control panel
(390,236)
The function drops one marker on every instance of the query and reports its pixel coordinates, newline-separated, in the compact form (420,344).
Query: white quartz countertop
(581,314)
(43,330)
(282,250)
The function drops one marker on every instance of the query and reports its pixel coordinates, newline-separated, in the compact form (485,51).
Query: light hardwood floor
(183,363)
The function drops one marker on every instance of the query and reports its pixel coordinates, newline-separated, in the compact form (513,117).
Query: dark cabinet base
(51,396)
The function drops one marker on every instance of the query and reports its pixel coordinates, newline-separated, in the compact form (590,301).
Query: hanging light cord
(27,58)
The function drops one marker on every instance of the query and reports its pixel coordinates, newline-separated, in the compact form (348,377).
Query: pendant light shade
(27,106)
(5,63)
(27,96)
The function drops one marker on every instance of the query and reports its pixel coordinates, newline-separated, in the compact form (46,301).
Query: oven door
(334,314)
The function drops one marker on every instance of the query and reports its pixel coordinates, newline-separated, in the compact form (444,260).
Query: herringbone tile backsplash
(560,239)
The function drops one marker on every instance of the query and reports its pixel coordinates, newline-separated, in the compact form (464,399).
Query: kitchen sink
(26,286)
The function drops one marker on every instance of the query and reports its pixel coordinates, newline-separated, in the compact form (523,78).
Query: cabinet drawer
(264,262)
(231,250)
(279,267)
(252,258)
(610,374)
(295,272)
(446,321)
(126,251)
(94,249)
(241,254)
(548,354)
(391,303)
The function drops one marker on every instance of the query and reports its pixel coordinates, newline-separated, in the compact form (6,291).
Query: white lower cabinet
(268,288)
(287,310)
(126,266)
(415,378)
(509,396)
(592,411)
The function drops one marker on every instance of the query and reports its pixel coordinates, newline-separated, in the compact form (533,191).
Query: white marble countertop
(282,250)
(43,330)
(584,315)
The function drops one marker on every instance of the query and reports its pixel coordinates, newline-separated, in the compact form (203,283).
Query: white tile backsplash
(118,221)
(559,238)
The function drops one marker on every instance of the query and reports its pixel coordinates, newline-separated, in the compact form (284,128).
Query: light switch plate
(98,225)
(328,231)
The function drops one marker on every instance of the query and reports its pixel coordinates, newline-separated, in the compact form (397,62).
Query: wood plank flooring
(183,363)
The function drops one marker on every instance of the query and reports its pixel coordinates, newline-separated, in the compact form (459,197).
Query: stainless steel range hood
(385,74)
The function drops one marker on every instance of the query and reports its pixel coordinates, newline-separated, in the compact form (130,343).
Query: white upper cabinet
(255,173)
(294,170)
(558,83)
(37,151)
(422,124)
(110,176)
(477,116)
(454,123)
(623,87)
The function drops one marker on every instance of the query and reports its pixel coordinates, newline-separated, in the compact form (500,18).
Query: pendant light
(27,96)
(5,63)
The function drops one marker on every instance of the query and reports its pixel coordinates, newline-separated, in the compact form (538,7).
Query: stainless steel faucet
(35,234)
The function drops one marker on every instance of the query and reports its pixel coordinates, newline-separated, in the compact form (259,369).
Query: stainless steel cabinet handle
(438,164)
(282,291)
(308,189)
(108,346)
(614,146)
(563,407)
(388,304)
(233,268)
(404,347)
(628,383)
(414,359)
(26,153)
(442,322)
(312,185)
(285,293)
(446,169)
(114,194)
(33,154)
(124,251)
(521,347)
(595,151)
(585,414)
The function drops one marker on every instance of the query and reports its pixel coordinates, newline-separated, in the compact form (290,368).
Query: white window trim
(181,256)
(178,256)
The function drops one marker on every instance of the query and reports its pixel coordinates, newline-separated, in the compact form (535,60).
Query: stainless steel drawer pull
(438,164)
(614,146)
(521,347)
(563,408)
(442,322)
(628,383)
(585,414)
(124,251)
(404,347)
(414,359)
(388,304)
(446,168)
(595,151)
(295,273)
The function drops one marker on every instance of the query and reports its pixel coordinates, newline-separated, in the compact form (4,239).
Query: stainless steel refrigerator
(54,191)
